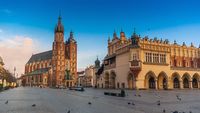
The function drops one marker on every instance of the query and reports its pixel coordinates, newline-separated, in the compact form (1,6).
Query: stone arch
(175,80)
(131,80)
(162,80)
(186,80)
(150,80)
(106,78)
(195,81)
(112,79)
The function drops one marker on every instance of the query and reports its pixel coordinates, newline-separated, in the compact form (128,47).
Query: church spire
(59,27)
(59,19)
(71,38)
(134,33)
(71,35)
(97,63)
(109,39)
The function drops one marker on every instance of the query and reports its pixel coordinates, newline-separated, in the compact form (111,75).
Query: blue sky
(93,21)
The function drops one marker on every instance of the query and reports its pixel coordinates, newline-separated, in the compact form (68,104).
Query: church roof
(110,56)
(40,56)
(38,71)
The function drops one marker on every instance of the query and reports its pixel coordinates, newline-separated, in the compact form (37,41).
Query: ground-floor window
(185,83)
(176,83)
(194,83)
(152,84)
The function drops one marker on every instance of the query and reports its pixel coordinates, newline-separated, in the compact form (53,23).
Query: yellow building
(143,63)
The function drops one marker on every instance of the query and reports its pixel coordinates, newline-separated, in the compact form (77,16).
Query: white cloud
(16,51)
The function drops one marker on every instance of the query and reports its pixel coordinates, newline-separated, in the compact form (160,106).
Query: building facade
(90,76)
(87,77)
(57,67)
(143,63)
(81,79)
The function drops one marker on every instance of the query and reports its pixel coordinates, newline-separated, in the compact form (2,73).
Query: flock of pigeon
(159,103)
(33,105)
(130,103)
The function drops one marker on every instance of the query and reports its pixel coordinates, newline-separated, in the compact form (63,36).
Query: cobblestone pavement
(20,100)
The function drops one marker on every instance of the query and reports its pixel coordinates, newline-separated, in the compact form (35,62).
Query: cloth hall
(144,63)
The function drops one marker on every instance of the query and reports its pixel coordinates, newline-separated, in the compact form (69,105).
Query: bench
(76,88)
(122,94)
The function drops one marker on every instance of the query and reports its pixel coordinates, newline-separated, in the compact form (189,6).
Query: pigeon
(178,97)
(190,111)
(175,112)
(33,105)
(89,103)
(158,103)
(6,102)
(164,110)
(68,111)
(129,103)
(133,103)
(139,95)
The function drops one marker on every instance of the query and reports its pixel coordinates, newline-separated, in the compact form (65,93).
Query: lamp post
(14,71)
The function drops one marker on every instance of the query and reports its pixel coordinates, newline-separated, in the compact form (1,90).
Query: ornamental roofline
(154,40)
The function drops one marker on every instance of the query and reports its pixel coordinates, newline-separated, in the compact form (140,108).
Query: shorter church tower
(71,56)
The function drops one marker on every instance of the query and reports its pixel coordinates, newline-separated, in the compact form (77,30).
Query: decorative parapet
(184,68)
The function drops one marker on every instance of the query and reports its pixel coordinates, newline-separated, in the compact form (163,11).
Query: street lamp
(14,71)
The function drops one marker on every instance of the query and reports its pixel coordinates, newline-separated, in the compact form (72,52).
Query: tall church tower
(58,56)
(71,53)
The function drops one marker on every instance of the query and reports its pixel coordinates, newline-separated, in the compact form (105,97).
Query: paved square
(20,100)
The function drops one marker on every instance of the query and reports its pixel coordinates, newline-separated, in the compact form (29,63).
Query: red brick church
(56,67)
